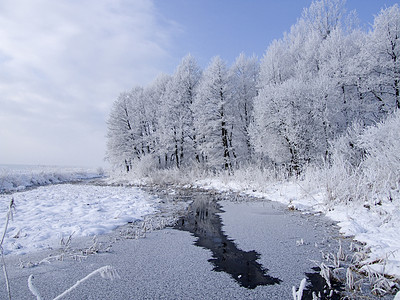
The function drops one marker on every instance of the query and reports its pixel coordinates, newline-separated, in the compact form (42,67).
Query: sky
(64,62)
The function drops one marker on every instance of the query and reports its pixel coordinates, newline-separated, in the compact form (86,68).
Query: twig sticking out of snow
(33,289)
(297,295)
(9,216)
(5,274)
(350,279)
(107,272)
(326,274)
(340,254)
(65,243)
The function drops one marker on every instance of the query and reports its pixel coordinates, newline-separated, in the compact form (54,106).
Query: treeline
(285,111)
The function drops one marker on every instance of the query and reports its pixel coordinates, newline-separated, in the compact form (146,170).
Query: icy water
(204,223)
(203,220)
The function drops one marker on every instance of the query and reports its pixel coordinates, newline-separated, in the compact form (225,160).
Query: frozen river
(222,247)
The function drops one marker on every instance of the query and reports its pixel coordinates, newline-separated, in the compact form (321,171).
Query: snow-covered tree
(178,132)
(212,119)
(324,16)
(131,128)
(284,125)
(243,79)
(381,56)
(141,124)
(305,88)
(153,96)
(121,143)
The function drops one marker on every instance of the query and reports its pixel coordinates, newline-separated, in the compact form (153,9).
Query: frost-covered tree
(283,110)
(324,16)
(243,79)
(153,95)
(142,125)
(284,125)
(176,120)
(381,57)
(335,88)
(305,88)
(213,121)
(131,128)
(121,143)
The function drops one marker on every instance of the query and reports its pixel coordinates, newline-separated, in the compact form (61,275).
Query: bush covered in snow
(366,164)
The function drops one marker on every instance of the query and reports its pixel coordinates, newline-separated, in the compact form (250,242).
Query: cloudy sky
(62,63)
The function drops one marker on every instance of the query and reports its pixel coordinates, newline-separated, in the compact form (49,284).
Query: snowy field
(45,215)
(376,226)
(19,177)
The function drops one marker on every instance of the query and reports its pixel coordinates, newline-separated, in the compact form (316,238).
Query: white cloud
(62,63)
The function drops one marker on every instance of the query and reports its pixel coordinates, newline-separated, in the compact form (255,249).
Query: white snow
(45,215)
(377,226)
(397,297)
(17,178)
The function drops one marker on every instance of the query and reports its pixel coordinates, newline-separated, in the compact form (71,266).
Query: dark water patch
(203,221)
(318,285)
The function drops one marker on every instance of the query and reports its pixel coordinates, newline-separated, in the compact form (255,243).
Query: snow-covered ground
(377,226)
(46,214)
(19,177)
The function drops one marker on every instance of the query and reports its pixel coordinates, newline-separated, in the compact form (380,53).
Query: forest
(325,96)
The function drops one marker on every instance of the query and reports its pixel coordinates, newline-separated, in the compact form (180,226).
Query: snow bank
(17,178)
(46,214)
(376,226)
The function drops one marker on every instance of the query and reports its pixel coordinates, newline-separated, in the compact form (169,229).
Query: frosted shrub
(252,176)
(184,175)
(171,175)
(339,177)
(365,163)
(144,167)
(381,167)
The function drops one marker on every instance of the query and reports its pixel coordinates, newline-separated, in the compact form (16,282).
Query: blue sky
(229,27)
(62,63)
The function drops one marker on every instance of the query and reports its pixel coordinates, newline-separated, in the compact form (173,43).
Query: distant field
(19,177)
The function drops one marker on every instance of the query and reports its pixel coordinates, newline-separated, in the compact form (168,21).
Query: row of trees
(191,116)
(285,110)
